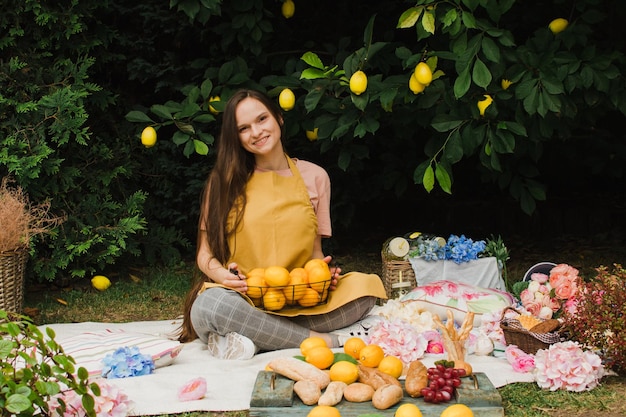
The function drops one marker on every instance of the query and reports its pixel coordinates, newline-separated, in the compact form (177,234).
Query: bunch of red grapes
(442,382)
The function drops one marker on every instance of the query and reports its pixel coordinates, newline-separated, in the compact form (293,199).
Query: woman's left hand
(335,271)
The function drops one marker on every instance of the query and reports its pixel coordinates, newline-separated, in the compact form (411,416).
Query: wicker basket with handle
(12,266)
(527,340)
(395,272)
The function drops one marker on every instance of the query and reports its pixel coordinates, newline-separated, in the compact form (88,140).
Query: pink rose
(192,390)
(567,290)
(553,303)
(539,277)
(519,360)
(435,347)
(527,297)
(533,308)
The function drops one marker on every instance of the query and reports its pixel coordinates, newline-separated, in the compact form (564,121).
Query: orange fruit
(256,283)
(319,274)
(274,299)
(344,371)
(353,346)
(310,298)
(408,410)
(320,356)
(276,276)
(371,355)
(324,411)
(297,285)
(391,365)
(311,342)
(457,410)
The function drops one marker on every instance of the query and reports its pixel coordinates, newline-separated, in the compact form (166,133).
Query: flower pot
(12,267)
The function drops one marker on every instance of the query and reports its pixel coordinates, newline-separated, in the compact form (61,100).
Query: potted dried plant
(19,222)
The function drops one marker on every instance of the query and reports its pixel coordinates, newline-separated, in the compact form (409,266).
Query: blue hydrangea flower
(126,362)
(461,249)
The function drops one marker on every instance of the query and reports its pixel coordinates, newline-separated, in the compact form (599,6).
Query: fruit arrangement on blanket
(363,372)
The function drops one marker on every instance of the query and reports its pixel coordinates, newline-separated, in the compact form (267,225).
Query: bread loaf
(298,370)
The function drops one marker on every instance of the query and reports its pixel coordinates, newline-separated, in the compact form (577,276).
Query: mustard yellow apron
(283,232)
(279,225)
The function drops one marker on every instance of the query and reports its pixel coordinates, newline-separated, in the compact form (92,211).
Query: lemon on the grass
(288,8)
(287,99)
(358,82)
(457,410)
(408,410)
(148,137)
(100,282)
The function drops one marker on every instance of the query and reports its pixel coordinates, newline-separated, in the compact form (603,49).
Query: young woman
(262,208)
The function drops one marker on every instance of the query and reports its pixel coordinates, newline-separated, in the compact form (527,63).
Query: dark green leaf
(344,160)
(453,151)
(312,99)
(444,123)
(162,111)
(138,116)
(462,83)
(491,50)
(480,74)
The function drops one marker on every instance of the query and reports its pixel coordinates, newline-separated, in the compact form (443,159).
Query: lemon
(148,137)
(483,104)
(324,411)
(288,8)
(100,282)
(211,108)
(274,299)
(408,410)
(415,85)
(391,365)
(311,134)
(276,276)
(344,371)
(558,25)
(358,83)
(505,84)
(457,410)
(287,99)
(423,73)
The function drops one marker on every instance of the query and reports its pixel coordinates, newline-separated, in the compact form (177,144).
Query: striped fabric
(89,349)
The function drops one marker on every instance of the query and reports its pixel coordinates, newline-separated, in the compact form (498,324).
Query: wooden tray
(477,392)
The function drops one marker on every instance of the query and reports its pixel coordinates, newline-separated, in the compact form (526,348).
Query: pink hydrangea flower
(398,338)
(519,360)
(567,366)
(193,390)
(112,402)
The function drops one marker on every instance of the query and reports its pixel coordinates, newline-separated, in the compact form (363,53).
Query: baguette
(298,370)
(333,393)
(308,391)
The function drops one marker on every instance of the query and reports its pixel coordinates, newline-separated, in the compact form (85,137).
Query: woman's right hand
(235,279)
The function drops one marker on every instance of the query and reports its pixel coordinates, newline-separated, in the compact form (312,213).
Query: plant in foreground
(598,317)
(35,369)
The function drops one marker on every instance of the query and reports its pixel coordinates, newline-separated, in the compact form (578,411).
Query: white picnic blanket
(230,382)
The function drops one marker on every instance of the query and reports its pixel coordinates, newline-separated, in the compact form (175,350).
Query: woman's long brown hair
(224,189)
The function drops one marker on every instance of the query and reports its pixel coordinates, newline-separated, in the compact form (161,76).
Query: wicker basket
(12,266)
(529,342)
(396,271)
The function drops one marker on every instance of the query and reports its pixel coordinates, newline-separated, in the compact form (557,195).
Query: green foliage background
(81,79)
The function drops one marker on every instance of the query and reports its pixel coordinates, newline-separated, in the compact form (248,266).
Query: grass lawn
(157,294)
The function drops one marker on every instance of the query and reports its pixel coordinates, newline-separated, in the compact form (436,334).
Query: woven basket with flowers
(19,222)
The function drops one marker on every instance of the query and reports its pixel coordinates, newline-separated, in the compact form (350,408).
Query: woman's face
(259,131)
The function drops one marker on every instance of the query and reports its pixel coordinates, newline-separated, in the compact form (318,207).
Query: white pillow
(90,348)
(439,296)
